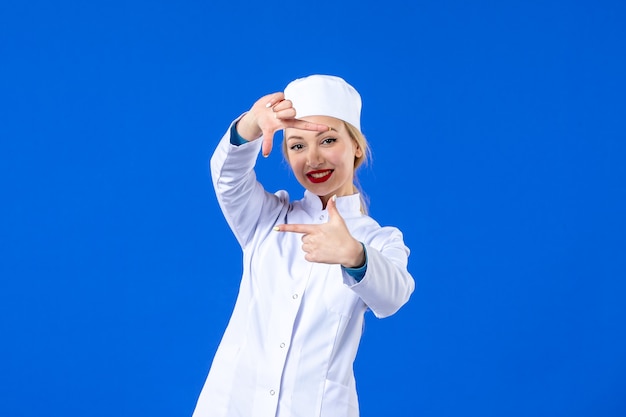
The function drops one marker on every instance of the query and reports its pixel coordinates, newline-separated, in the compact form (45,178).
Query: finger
(272,99)
(308,238)
(268,140)
(296,228)
(285,114)
(282,105)
(304,125)
(331,206)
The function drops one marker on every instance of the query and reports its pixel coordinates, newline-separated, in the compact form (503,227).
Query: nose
(314,158)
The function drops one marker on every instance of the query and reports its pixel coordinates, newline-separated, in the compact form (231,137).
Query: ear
(358,152)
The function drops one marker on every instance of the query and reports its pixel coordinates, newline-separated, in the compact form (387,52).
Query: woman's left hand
(330,242)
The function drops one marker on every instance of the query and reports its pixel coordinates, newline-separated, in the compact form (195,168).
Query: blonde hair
(366,155)
(362,144)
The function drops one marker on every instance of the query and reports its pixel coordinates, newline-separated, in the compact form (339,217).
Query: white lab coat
(291,341)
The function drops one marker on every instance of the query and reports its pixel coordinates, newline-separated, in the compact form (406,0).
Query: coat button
(295,296)
(282,345)
(272,392)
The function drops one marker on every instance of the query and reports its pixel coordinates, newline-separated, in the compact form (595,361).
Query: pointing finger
(304,125)
(296,228)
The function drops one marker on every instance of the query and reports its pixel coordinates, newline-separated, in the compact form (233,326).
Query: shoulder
(284,204)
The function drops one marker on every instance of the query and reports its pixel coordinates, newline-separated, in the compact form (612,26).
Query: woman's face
(323,162)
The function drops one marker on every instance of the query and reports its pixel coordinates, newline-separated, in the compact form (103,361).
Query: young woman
(312,267)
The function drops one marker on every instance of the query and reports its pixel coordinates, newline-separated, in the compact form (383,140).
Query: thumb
(331,206)
(268,139)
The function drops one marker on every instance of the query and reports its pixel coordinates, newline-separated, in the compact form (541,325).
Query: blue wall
(498,140)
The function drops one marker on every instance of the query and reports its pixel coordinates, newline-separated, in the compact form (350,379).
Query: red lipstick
(319,175)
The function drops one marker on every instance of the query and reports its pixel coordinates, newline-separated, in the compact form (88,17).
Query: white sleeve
(387,284)
(244,202)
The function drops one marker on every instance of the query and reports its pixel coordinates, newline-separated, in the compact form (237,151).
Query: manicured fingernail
(334,197)
(269,104)
(276,229)
(265,155)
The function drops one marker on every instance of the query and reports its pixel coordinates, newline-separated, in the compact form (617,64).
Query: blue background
(498,136)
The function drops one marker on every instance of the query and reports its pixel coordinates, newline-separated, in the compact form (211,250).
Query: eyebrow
(332,129)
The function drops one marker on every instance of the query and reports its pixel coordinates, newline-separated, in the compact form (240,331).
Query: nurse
(312,267)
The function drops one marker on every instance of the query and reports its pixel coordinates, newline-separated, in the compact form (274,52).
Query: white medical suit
(291,341)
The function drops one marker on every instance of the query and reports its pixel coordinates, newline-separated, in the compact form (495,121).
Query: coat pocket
(339,401)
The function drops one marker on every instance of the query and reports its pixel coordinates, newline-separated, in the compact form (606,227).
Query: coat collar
(348,206)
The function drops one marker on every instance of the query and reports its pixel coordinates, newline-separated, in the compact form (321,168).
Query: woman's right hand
(270,114)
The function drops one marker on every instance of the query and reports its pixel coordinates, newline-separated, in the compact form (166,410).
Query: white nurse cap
(325,95)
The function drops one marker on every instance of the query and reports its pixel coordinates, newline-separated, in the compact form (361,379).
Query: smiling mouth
(319,176)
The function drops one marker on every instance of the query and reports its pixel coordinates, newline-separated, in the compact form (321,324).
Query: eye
(296,147)
(328,141)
